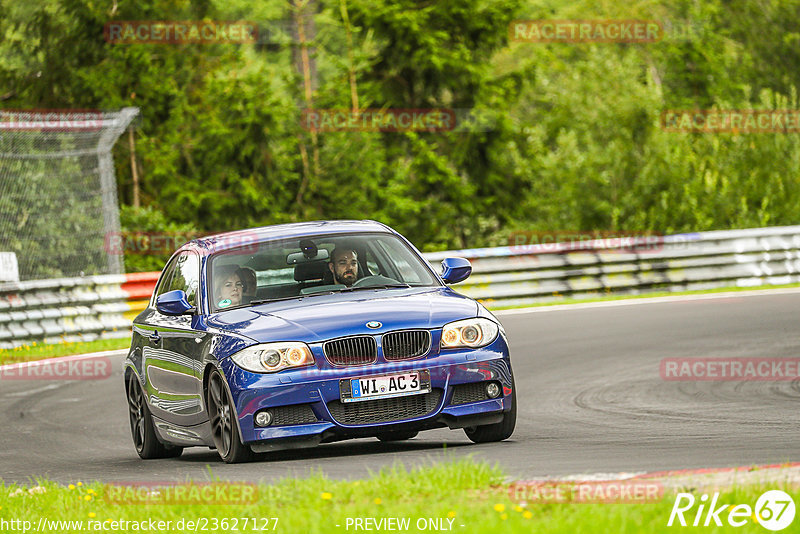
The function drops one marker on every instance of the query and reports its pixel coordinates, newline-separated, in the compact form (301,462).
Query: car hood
(324,317)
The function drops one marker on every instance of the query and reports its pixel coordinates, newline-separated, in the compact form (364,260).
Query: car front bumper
(312,412)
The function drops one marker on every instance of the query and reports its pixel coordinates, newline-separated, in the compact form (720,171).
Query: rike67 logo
(774,510)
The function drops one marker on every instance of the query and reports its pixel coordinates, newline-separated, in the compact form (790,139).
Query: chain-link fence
(58,194)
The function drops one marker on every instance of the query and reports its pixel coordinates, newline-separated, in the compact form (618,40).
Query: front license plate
(383,387)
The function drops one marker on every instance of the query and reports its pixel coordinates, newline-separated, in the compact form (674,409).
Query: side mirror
(174,303)
(455,270)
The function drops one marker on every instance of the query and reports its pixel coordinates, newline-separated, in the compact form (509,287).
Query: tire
(143,432)
(224,427)
(396,436)
(498,431)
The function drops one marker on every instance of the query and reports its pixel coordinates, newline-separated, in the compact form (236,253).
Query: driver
(344,265)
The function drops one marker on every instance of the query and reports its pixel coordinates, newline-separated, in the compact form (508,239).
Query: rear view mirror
(301,257)
(455,270)
(174,303)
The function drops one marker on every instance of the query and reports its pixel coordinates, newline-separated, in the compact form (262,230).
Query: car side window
(186,276)
(372,262)
(165,280)
(395,250)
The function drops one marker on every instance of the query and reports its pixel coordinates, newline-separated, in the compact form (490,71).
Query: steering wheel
(374,280)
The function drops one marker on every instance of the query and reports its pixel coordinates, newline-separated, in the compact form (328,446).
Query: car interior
(285,273)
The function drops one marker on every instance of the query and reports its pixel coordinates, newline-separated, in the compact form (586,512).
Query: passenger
(248,278)
(228,286)
(344,265)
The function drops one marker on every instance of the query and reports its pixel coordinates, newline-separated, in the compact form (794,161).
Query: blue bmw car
(293,335)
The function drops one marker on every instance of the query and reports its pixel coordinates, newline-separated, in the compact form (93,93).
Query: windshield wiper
(379,286)
(278,299)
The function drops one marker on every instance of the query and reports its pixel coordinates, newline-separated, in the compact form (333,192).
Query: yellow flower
(504,517)
(87,498)
(80,484)
(499,507)
(518,508)
(71,486)
(377,500)
(92,514)
(451,514)
(91,492)
(326,496)
(526,514)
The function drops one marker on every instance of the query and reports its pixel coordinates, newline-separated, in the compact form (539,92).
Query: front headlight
(271,357)
(470,333)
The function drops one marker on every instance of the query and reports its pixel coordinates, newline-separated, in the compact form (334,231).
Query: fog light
(493,390)
(263,418)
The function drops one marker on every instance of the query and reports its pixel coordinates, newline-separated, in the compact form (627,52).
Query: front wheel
(223,422)
(142,430)
(498,431)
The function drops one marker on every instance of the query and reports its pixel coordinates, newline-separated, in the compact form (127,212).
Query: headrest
(312,270)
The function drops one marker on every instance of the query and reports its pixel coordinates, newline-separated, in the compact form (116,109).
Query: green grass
(471,493)
(38,351)
(560,300)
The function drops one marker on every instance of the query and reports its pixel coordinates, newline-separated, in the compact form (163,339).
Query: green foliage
(147,238)
(575,141)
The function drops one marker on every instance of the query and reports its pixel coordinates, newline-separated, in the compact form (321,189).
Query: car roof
(215,243)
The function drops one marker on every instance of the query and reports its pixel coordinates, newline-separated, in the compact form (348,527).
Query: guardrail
(139,287)
(103,306)
(63,309)
(530,274)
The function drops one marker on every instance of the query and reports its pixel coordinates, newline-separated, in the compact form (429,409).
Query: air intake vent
(466,393)
(357,350)
(406,344)
(299,414)
(385,410)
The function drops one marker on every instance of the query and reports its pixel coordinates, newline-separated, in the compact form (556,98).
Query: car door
(146,342)
(172,367)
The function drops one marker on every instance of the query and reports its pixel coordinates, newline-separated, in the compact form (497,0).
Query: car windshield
(290,268)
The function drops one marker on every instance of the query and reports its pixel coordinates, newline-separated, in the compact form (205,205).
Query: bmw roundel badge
(374,324)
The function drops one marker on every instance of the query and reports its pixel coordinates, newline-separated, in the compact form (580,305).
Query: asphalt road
(591,401)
